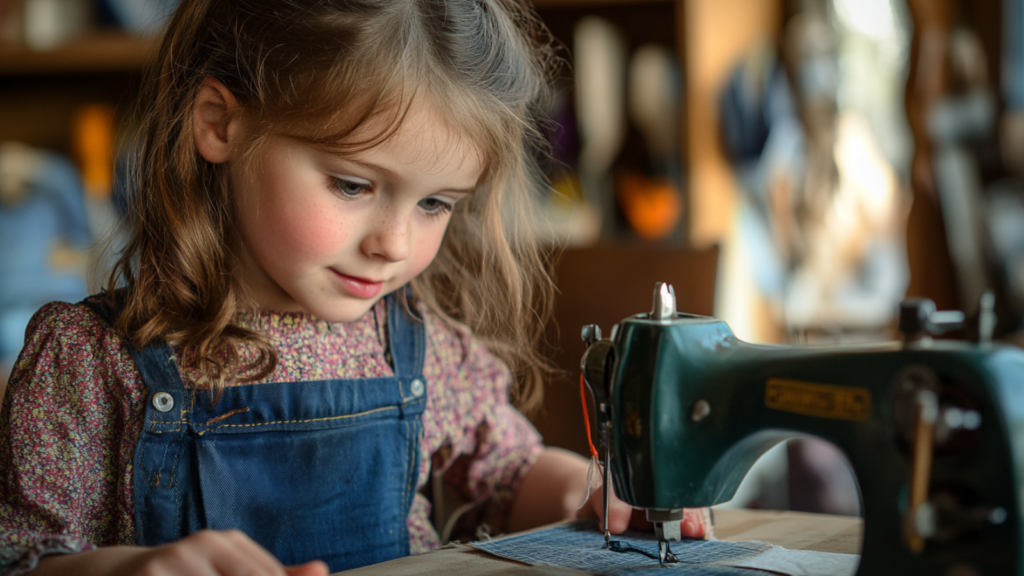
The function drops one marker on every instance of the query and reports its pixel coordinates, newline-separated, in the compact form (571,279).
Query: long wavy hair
(317,70)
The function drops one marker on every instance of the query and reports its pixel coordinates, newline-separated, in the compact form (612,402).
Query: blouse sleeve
(489,446)
(66,426)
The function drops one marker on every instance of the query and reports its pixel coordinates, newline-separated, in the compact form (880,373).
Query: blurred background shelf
(100,52)
(542,4)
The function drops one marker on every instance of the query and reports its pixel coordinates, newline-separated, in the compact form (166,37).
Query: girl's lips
(358,287)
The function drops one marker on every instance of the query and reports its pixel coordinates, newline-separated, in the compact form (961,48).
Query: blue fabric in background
(136,16)
(51,211)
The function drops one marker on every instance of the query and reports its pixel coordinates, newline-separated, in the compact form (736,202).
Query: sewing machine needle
(662,552)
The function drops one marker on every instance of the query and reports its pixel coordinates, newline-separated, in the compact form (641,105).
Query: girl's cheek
(426,251)
(312,230)
(322,236)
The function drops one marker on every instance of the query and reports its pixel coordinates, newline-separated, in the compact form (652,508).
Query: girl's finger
(314,568)
(229,558)
(259,555)
(693,523)
(619,512)
(183,557)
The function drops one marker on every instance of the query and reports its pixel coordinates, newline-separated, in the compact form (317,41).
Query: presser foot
(667,526)
(665,555)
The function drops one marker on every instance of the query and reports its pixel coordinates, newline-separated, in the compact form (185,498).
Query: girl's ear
(215,121)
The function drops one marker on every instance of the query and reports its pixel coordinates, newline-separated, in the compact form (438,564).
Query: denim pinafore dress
(317,470)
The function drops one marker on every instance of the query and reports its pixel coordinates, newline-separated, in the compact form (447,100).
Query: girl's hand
(555,486)
(218,553)
(622,516)
(205,553)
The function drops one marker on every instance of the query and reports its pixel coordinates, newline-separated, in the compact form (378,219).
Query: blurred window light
(873,18)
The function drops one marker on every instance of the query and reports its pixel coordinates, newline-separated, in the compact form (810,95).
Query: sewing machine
(933,429)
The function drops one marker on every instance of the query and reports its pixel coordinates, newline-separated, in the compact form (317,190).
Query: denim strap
(162,438)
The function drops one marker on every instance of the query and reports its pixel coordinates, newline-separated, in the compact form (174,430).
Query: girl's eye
(436,207)
(349,188)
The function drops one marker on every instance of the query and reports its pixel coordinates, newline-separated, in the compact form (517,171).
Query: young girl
(314,329)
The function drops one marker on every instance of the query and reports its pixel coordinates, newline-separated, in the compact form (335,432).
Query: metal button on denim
(417,387)
(163,401)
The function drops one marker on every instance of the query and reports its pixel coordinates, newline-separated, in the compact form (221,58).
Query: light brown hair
(317,70)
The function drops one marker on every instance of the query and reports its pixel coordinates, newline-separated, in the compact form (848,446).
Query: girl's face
(330,235)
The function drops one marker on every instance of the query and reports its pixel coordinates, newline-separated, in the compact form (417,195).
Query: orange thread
(586,416)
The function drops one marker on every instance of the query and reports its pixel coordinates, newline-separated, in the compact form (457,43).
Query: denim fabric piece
(309,470)
(580,545)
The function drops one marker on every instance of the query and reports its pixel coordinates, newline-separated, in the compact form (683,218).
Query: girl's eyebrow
(391,174)
(387,172)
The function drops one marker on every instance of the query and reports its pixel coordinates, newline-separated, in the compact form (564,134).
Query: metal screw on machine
(701,410)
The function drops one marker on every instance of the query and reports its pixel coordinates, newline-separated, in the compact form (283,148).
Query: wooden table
(793,530)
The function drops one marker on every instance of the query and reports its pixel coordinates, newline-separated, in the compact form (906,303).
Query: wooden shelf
(98,52)
(542,4)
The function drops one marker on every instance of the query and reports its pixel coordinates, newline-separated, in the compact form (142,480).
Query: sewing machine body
(691,408)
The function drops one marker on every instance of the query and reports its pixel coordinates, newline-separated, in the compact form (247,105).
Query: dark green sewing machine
(933,429)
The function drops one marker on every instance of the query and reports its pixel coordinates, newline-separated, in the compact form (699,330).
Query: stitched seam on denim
(411,475)
(334,425)
(300,421)
(414,473)
(405,472)
(412,401)
(153,429)
(225,416)
(140,525)
(177,491)
(140,456)
(186,416)
(175,486)
(408,458)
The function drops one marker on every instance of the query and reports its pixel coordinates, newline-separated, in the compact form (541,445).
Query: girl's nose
(389,239)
